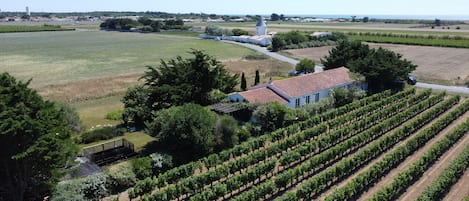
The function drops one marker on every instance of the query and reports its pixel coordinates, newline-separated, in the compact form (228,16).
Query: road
(454,89)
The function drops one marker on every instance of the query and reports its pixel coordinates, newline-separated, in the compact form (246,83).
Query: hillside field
(383,147)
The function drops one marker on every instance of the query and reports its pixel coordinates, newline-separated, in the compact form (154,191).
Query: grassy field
(438,42)
(25,28)
(52,58)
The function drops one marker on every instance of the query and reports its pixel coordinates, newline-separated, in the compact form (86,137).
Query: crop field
(382,147)
(55,58)
(435,64)
(16,28)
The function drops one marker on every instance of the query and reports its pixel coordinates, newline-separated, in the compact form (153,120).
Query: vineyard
(342,154)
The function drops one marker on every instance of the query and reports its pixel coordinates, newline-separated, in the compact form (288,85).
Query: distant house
(296,91)
(320,34)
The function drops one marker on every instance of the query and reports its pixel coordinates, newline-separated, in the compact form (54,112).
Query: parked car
(411,79)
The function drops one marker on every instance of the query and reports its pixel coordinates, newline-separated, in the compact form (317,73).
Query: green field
(414,41)
(23,28)
(62,57)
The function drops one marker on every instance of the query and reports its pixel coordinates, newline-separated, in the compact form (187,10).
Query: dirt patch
(435,64)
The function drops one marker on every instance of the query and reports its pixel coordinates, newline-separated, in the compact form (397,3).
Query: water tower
(27,11)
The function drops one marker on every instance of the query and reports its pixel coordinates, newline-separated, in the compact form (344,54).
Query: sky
(290,7)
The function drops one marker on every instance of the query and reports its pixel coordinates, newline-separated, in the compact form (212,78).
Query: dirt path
(409,160)
(431,174)
(459,190)
(372,162)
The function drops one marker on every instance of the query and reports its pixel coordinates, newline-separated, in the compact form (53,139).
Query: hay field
(56,58)
(449,66)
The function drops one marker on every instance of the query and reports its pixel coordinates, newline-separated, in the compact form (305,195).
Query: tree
(343,96)
(225,131)
(343,53)
(382,69)
(239,32)
(181,81)
(437,22)
(257,78)
(305,66)
(243,82)
(34,139)
(137,108)
(274,17)
(71,116)
(366,19)
(272,116)
(187,131)
(145,21)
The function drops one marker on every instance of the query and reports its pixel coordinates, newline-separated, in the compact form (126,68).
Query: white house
(261,27)
(296,91)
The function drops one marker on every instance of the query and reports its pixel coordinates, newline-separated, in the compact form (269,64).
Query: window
(308,99)
(297,102)
(316,99)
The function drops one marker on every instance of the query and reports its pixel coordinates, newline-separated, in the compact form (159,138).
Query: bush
(115,115)
(102,133)
(71,116)
(92,187)
(69,190)
(142,167)
(161,162)
(121,177)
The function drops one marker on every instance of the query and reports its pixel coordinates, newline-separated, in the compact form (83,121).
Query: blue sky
(333,7)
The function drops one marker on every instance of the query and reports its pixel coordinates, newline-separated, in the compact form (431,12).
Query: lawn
(26,28)
(52,58)
(139,139)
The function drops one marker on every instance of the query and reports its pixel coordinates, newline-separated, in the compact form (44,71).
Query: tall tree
(181,81)
(382,69)
(243,82)
(274,17)
(34,142)
(257,78)
(343,53)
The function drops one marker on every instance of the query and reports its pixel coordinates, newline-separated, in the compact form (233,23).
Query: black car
(411,79)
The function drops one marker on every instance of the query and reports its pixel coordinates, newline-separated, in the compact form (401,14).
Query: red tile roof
(302,85)
(262,95)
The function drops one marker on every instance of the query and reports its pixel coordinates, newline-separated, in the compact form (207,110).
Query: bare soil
(435,64)
(431,174)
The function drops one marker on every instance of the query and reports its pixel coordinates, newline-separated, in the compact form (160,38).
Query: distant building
(321,34)
(261,27)
(27,11)
(296,91)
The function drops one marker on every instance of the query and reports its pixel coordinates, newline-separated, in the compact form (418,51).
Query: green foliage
(343,53)
(101,133)
(161,162)
(142,167)
(318,107)
(35,141)
(297,39)
(239,32)
(187,130)
(121,178)
(119,24)
(305,66)
(69,190)
(136,108)
(71,116)
(257,78)
(225,131)
(382,68)
(272,116)
(213,30)
(145,21)
(115,115)
(181,81)
(243,82)
(92,187)
(343,96)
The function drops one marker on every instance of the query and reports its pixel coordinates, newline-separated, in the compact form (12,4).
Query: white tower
(27,11)
(261,27)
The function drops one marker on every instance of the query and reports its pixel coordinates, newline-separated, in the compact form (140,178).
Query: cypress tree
(243,82)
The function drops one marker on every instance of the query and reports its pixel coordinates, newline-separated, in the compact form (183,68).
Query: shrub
(142,167)
(115,115)
(69,190)
(161,162)
(121,177)
(92,187)
(102,133)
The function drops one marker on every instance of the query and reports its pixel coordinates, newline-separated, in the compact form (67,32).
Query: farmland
(336,155)
(435,64)
(17,28)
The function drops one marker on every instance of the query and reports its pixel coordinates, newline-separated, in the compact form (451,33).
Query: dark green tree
(137,108)
(343,53)
(382,69)
(145,21)
(305,66)
(187,131)
(35,142)
(274,17)
(243,82)
(225,131)
(272,116)
(366,19)
(257,78)
(181,81)
(239,32)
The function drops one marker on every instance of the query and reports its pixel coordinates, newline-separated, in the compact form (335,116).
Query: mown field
(23,28)
(381,148)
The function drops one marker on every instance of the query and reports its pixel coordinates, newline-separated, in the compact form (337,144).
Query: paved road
(455,89)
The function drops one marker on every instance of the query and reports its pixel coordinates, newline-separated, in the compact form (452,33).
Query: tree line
(144,24)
